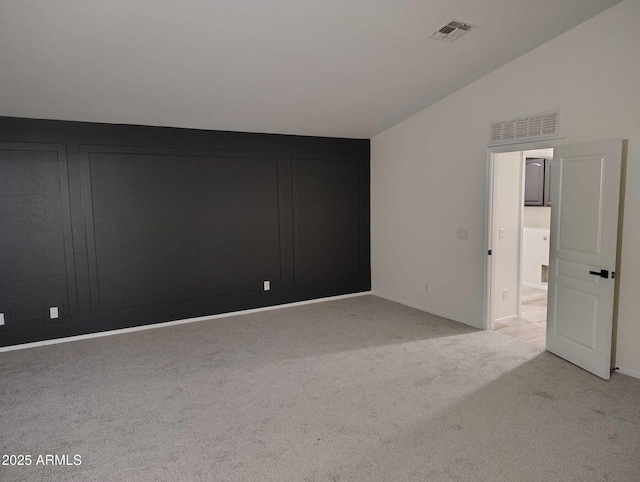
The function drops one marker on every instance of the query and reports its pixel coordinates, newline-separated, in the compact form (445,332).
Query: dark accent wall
(121,225)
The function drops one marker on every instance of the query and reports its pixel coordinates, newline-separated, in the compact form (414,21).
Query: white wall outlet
(504,294)
(501,233)
(53,313)
(463,234)
(266,285)
(1,319)
(427,287)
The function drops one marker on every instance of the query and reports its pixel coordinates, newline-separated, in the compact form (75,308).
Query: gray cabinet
(534,187)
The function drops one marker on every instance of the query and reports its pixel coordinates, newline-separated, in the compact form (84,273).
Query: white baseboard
(540,286)
(55,341)
(176,322)
(426,309)
(626,371)
(506,318)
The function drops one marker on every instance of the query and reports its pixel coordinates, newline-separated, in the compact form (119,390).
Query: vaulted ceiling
(346,68)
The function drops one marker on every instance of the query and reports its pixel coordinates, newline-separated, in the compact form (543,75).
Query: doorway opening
(585,192)
(518,239)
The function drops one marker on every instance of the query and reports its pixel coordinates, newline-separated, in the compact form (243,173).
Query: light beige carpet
(356,389)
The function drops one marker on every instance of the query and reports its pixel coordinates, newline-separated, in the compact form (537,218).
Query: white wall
(507,207)
(537,217)
(535,254)
(428,172)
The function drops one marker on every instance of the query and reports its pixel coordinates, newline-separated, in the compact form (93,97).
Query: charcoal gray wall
(121,226)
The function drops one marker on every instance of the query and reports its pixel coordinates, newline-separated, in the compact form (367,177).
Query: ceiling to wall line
(318,67)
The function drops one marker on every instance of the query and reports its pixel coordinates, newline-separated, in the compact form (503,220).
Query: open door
(585,193)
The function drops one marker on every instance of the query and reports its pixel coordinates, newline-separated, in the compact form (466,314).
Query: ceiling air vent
(452,31)
(532,127)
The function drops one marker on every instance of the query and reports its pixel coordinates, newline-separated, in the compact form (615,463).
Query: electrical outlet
(501,233)
(53,313)
(1,319)
(266,285)
(427,287)
(463,234)
(504,294)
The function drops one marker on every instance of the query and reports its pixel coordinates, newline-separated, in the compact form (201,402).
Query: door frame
(491,151)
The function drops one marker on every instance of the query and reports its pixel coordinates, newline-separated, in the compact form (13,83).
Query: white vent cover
(532,127)
(452,31)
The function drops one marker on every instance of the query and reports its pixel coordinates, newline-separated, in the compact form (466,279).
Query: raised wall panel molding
(37,256)
(171,224)
(331,232)
(203,181)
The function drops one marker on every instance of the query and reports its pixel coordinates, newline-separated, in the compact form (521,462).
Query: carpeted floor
(355,389)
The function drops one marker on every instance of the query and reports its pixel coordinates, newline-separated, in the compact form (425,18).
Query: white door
(585,193)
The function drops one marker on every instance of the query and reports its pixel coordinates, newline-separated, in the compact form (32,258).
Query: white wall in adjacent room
(507,207)
(428,172)
(537,217)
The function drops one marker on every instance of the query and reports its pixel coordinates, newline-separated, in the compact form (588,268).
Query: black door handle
(603,273)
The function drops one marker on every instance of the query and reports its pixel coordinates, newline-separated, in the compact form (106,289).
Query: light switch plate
(266,285)
(54,314)
(463,234)
(1,319)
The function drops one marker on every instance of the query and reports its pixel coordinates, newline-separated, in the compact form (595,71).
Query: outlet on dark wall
(120,225)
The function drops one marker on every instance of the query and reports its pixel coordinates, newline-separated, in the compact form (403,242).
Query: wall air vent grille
(532,127)
(452,31)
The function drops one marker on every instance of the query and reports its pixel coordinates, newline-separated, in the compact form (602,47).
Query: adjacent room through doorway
(521,214)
